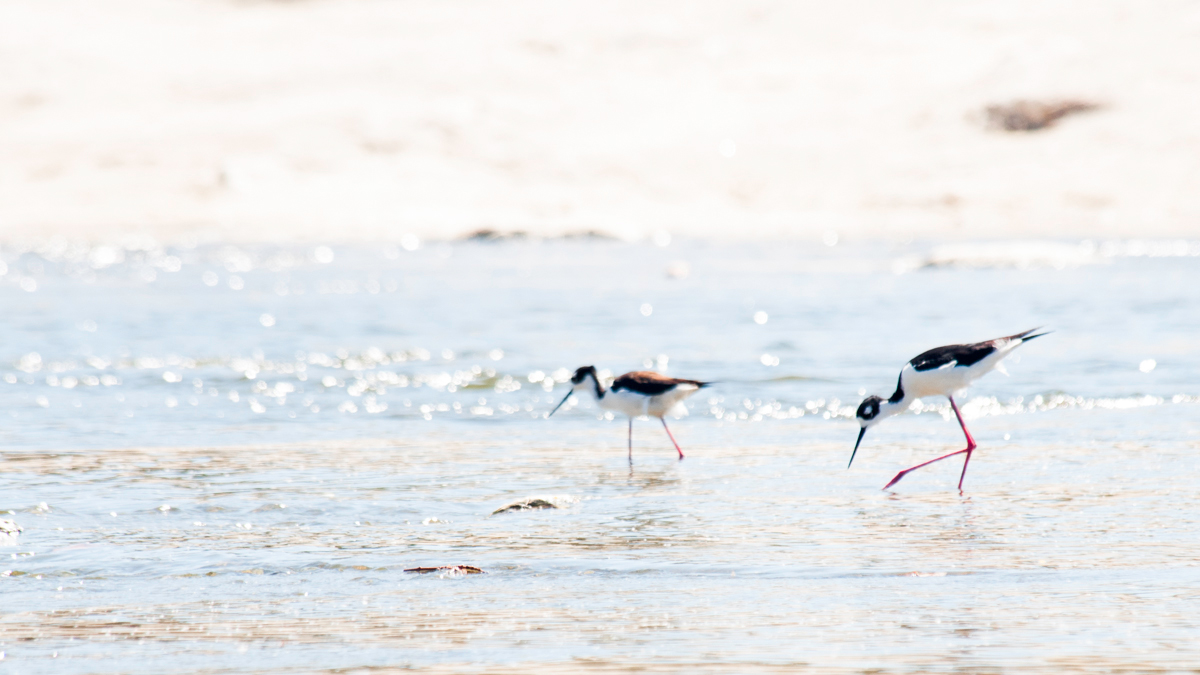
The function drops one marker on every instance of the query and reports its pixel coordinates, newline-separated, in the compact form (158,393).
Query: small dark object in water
(1033,115)
(8,532)
(461,569)
(526,505)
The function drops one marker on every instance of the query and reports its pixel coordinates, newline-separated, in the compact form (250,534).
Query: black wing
(650,383)
(962,355)
(966,355)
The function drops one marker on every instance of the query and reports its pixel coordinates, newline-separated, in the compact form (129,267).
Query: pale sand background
(371,119)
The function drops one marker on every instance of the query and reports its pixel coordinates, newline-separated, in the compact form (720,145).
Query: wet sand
(745,557)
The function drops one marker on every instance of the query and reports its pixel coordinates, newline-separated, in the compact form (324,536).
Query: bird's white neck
(887,408)
(592,387)
(899,401)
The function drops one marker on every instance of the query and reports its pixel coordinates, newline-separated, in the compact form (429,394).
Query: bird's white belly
(625,402)
(937,382)
(634,404)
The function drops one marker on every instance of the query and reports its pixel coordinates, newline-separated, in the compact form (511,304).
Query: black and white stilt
(942,371)
(633,394)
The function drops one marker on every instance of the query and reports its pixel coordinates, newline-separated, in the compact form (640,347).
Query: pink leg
(970,441)
(970,446)
(903,473)
(672,436)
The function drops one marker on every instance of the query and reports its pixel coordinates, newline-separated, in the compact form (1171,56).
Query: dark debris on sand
(1033,115)
(535,503)
(8,532)
(487,234)
(460,569)
(490,235)
(526,505)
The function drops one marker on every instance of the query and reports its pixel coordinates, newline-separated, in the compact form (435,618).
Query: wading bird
(638,393)
(939,372)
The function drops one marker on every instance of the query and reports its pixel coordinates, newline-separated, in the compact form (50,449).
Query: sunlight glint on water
(228,456)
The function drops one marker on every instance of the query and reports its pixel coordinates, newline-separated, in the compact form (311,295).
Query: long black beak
(560,403)
(861,432)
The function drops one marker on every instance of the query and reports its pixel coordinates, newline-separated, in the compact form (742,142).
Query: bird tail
(1026,336)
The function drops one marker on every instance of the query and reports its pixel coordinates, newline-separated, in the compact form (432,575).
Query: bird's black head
(581,374)
(868,410)
(867,414)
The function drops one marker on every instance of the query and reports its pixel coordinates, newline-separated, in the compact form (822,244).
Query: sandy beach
(360,120)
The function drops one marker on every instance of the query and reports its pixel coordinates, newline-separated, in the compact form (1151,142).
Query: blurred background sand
(363,120)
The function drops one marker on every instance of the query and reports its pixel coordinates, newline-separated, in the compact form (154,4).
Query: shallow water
(224,458)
